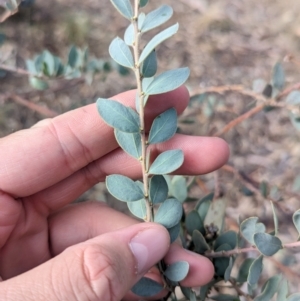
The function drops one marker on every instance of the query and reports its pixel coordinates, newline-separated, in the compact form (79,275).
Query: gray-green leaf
(177,271)
(193,222)
(255,271)
(138,208)
(157,17)
(225,297)
(174,232)
(121,53)
(229,237)
(167,162)
(156,40)
(269,289)
(169,213)
(158,189)
(278,76)
(167,81)
(267,244)
(118,116)
(200,243)
(143,3)
(294,297)
(163,127)
(229,269)
(178,188)
(244,270)
(123,188)
(129,35)
(38,83)
(149,66)
(296,220)
(248,229)
(124,7)
(146,287)
(130,143)
(283,291)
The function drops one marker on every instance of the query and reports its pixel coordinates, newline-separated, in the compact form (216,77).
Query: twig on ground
(15,70)
(32,106)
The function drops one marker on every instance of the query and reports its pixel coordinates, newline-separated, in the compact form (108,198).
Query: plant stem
(140,93)
(212,254)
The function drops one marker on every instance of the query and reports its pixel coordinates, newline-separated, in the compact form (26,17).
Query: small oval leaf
(200,243)
(118,116)
(244,270)
(269,289)
(38,83)
(147,287)
(229,237)
(143,3)
(163,127)
(178,188)
(156,40)
(123,188)
(138,208)
(278,76)
(193,222)
(169,213)
(174,232)
(267,244)
(157,17)
(229,269)
(255,271)
(124,7)
(149,66)
(158,189)
(130,143)
(248,229)
(129,35)
(177,271)
(283,291)
(167,81)
(121,53)
(167,162)
(296,220)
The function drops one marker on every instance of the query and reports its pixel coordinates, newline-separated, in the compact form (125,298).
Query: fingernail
(148,247)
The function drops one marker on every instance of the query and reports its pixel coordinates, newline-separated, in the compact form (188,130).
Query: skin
(45,168)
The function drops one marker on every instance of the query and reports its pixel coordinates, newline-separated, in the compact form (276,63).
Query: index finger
(34,159)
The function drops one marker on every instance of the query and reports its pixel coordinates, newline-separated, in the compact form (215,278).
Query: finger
(103,268)
(86,220)
(56,148)
(201,155)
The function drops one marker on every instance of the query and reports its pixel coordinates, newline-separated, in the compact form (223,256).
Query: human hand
(51,250)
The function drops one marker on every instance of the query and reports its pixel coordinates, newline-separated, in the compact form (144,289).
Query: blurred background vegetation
(223,42)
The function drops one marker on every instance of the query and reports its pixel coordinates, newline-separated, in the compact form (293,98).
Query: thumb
(103,268)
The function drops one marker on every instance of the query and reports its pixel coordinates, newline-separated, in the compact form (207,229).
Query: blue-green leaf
(229,269)
(163,127)
(157,17)
(296,220)
(121,53)
(158,189)
(129,35)
(267,244)
(118,116)
(123,188)
(200,243)
(283,291)
(169,213)
(167,162)
(167,81)
(49,60)
(229,237)
(248,229)
(38,83)
(147,287)
(294,297)
(278,76)
(244,270)
(177,271)
(178,188)
(193,222)
(73,58)
(141,20)
(255,271)
(143,3)
(138,208)
(156,40)
(269,289)
(222,263)
(149,66)
(174,232)
(124,7)
(31,67)
(130,143)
